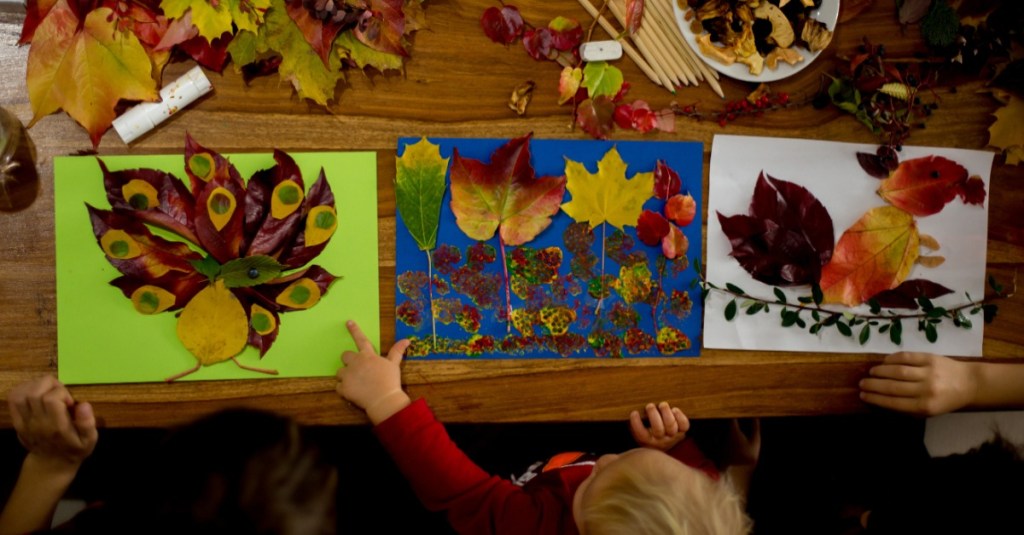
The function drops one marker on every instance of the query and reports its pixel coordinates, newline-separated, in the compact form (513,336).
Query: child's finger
(681,419)
(35,390)
(85,423)
(398,350)
(669,419)
(57,413)
(890,387)
(654,418)
(636,426)
(362,342)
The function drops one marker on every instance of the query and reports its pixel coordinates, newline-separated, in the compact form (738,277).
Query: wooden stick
(710,75)
(670,28)
(672,51)
(626,47)
(656,59)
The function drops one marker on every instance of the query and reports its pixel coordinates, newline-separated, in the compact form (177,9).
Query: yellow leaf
(1006,132)
(213,326)
(606,196)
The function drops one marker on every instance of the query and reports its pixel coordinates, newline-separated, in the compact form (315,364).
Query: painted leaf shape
(906,294)
(212,19)
(606,196)
(503,25)
(1006,133)
(86,68)
(602,79)
(875,254)
(666,181)
(301,65)
(213,326)
(787,236)
(504,195)
(419,188)
(923,186)
(382,27)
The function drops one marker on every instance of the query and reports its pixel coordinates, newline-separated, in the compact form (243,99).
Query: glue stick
(173,97)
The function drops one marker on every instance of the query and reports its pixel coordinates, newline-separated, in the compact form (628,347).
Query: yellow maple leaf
(1006,133)
(606,196)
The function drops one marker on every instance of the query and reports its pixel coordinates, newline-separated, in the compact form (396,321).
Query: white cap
(173,97)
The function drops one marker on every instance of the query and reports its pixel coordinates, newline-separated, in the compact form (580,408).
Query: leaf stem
(430,292)
(600,298)
(508,293)
(253,368)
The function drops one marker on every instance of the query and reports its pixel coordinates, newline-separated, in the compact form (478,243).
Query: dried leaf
(353,49)
(923,186)
(1005,133)
(212,19)
(639,116)
(503,25)
(382,27)
(906,294)
(929,241)
(787,236)
(300,63)
(875,254)
(873,165)
(419,188)
(521,96)
(318,33)
(86,68)
(940,25)
(213,326)
(606,196)
(503,195)
(156,197)
(931,261)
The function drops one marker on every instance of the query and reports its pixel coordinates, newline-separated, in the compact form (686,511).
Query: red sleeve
(688,453)
(445,479)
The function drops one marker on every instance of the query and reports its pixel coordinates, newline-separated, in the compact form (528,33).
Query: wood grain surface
(456,84)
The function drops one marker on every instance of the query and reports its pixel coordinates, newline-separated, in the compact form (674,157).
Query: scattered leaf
(787,236)
(666,181)
(595,116)
(569,84)
(382,27)
(875,254)
(940,25)
(503,25)
(908,292)
(1005,133)
(602,79)
(521,96)
(923,186)
(675,243)
(634,15)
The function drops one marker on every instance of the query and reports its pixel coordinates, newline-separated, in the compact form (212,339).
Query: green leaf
(734,289)
(926,304)
(805,300)
(815,315)
(896,332)
(788,318)
(243,49)
(816,294)
(780,295)
(865,333)
(600,78)
(730,310)
(931,333)
(352,48)
(831,320)
(884,328)
(937,312)
(419,188)
(207,266)
(875,307)
(996,287)
(755,308)
(815,328)
(940,25)
(250,271)
(844,329)
(300,64)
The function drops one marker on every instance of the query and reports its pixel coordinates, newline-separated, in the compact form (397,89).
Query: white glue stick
(173,97)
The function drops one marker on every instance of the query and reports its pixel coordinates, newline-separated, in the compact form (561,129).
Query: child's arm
(58,434)
(928,384)
(743,449)
(442,476)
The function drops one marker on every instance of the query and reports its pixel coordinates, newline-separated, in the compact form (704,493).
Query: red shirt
(445,479)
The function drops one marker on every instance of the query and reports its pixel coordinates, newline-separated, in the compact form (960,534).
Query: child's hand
(372,382)
(57,432)
(744,442)
(668,427)
(919,383)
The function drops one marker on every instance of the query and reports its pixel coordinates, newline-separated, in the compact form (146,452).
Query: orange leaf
(86,69)
(923,186)
(873,255)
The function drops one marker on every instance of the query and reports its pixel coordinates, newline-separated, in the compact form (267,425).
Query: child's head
(645,491)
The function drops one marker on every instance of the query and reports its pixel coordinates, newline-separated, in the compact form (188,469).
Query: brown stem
(252,368)
(508,293)
(177,376)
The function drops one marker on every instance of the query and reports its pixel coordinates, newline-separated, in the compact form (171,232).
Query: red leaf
(212,55)
(906,294)
(183,286)
(319,34)
(787,237)
(651,227)
(634,15)
(539,44)
(299,253)
(681,209)
(169,204)
(594,116)
(503,25)
(923,186)
(666,181)
(566,34)
(269,234)
(151,258)
(382,27)
(872,165)
(973,191)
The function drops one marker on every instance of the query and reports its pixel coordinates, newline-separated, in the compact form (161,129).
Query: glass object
(19,181)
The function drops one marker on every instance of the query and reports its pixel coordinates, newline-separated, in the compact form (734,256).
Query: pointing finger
(363,343)
(398,350)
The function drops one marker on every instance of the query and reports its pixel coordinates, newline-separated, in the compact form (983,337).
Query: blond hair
(645,501)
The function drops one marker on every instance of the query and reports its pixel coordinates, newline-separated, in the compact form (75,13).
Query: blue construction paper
(548,158)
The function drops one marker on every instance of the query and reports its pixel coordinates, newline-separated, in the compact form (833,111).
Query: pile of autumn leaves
(87,55)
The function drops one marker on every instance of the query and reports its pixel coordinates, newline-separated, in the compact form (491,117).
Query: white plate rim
(827,14)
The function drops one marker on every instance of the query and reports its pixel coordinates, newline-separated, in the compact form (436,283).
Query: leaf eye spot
(325,220)
(254,273)
(201,165)
(935,174)
(220,203)
(288,194)
(299,294)
(139,201)
(119,249)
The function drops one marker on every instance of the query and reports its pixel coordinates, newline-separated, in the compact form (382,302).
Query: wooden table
(456,84)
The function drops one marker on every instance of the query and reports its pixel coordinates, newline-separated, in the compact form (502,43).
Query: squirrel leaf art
(239,254)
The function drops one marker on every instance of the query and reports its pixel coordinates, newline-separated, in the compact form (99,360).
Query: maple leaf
(504,196)
(212,19)
(606,196)
(300,63)
(923,186)
(1005,133)
(86,68)
(382,27)
(875,254)
(318,34)
(787,236)
(351,48)
(503,25)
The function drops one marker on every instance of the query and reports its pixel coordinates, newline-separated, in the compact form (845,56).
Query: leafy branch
(883,321)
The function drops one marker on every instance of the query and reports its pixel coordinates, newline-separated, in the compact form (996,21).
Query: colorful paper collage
(947,237)
(102,339)
(554,279)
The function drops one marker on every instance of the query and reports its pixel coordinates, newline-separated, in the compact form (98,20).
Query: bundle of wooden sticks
(657,46)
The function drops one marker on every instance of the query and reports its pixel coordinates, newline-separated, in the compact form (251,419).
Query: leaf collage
(873,275)
(87,56)
(537,251)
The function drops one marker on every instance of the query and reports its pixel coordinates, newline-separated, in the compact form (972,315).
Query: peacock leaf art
(239,253)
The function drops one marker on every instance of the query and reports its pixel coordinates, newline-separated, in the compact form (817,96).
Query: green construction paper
(102,339)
